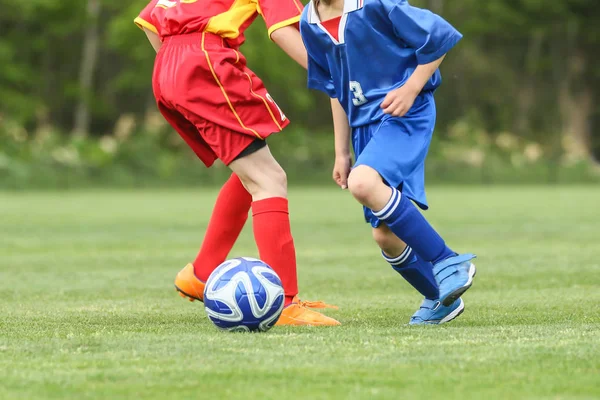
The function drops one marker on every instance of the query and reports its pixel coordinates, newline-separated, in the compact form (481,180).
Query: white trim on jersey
(334,40)
(349,6)
(352,5)
(342,28)
(313,17)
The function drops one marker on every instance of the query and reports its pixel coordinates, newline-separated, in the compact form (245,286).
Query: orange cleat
(314,304)
(188,285)
(299,313)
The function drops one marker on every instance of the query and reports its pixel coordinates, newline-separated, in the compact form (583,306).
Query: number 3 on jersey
(359,97)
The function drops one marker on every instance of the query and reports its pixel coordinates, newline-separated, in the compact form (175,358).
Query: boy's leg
(267,183)
(452,271)
(226,222)
(419,274)
(398,213)
(393,156)
(404,260)
(228,115)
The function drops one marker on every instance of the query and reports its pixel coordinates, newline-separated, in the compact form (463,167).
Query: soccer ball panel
(243,294)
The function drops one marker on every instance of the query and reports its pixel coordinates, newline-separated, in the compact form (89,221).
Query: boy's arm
(153,38)
(341,130)
(431,37)
(319,78)
(282,18)
(144,22)
(290,41)
(427,33)
(399,101)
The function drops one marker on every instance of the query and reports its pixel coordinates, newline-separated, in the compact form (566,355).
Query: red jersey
(226,18)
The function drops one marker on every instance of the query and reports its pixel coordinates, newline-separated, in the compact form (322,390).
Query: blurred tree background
(519,103)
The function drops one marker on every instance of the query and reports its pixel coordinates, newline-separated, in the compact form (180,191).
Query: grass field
(88,309)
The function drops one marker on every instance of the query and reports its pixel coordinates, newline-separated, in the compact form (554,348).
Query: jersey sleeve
(319,78)
(319,75)
(144,20)
(279,13)
(429,34)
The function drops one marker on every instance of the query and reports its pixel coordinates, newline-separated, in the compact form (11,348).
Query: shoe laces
(316,304)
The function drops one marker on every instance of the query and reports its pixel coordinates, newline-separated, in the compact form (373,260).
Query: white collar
(349,6)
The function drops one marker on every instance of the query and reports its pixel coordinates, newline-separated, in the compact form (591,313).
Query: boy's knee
(265,182)
(362,183)
(279,176)
(261,174)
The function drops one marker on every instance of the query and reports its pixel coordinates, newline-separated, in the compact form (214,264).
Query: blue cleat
(454,276)
(433,312)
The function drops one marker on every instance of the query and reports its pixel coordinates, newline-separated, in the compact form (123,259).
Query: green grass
(88,310)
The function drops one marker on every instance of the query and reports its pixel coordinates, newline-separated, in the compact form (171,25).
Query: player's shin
(404,260)
(416,271)
(226,222)
(403,218)
(267,183)
(272,232)
(398,213)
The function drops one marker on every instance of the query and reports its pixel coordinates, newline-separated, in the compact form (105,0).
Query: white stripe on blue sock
(390,207)
(406,250)
(401,259)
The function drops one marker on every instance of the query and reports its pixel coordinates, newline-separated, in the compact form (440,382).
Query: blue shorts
(397,148)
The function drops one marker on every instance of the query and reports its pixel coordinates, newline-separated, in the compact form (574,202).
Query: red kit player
(222,110)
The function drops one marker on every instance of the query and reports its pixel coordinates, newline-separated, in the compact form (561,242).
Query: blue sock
(403,218)
(417,272)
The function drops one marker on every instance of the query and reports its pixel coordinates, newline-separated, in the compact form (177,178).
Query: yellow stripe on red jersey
(226,18)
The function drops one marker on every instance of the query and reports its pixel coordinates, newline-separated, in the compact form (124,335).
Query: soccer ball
(243,294)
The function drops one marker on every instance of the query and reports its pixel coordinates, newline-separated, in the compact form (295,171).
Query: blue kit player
(378,61)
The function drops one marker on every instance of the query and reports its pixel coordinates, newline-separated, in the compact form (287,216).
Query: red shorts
(207,93)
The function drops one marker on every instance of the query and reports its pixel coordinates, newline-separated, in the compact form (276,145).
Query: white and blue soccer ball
(243,294)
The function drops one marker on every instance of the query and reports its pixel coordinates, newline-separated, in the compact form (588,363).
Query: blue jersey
(381,42)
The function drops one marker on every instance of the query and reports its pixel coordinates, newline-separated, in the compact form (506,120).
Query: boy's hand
(341,170)
(399,101)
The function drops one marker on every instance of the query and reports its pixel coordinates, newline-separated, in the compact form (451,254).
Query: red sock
(271,223)
(226,223)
